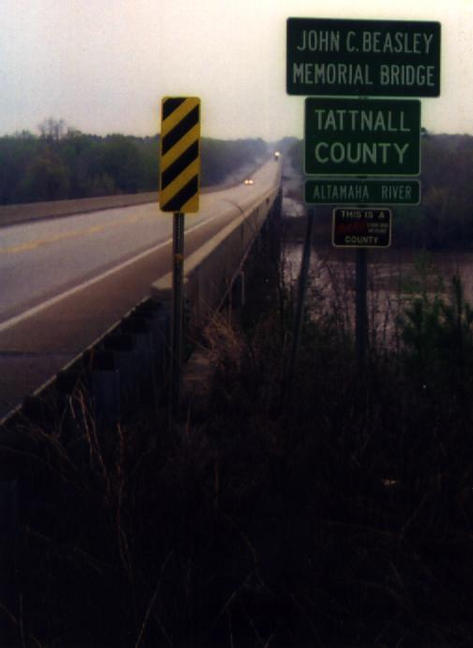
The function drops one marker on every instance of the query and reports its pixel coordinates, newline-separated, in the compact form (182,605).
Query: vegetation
(334,510)
(63,163)
(221,158)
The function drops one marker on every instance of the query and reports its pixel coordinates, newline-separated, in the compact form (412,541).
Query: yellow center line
(32,245)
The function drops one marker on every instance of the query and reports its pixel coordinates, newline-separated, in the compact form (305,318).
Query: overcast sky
(103,65)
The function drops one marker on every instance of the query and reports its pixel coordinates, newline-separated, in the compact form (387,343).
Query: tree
(121,161)
(47,178)
(52,129)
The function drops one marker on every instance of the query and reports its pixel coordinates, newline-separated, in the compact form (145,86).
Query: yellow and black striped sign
(180,154)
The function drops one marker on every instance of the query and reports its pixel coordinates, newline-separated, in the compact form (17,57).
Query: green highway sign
(362,137)
(336,191)
(361,228)
(390,58)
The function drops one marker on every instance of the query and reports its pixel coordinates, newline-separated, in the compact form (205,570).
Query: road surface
(66,281)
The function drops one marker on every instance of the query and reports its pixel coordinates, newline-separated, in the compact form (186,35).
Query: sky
(103,65)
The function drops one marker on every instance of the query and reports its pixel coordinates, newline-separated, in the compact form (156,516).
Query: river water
(395,278)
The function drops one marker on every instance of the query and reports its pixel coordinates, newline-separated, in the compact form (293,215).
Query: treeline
(445,216)
(62,163)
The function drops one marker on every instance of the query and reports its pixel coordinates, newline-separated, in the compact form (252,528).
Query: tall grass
(338,512)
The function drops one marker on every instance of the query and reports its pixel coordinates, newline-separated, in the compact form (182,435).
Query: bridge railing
(210,272)
(129,363)
(122,373)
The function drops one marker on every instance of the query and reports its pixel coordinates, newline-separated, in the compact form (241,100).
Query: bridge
(85,324)
(88,295)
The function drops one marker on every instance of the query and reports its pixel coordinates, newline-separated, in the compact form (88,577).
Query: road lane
(69,280)
(41,259)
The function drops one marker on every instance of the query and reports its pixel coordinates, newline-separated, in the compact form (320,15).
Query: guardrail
(125,366)
(130,360)
(211,271)
(26,212)
(29,212)
(125,370)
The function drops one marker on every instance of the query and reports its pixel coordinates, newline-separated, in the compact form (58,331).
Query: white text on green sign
(334,191)
(363,57)
(362,137)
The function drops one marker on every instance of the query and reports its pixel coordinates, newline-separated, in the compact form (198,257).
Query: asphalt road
(65,281)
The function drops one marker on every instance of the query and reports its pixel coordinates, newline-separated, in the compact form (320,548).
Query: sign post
(178,307)
(361,308)
(361,228)
(362,137)
(179,193)
(349,191)
(376,58)
(329,58)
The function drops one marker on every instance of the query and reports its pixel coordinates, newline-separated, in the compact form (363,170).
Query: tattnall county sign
(362,137)
(361,228)
(363,57)
(337,191)
(180,154)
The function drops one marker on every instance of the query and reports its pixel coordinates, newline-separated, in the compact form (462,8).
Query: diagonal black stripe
(183,195)
(170,105)
(178,166)
(180,129)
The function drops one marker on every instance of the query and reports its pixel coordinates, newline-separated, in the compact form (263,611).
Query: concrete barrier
(26,212)
(210,272)
(125,368)
(131,359)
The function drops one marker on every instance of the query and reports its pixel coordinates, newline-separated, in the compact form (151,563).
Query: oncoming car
(248,181)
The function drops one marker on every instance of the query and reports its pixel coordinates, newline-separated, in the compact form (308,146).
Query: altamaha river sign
(375,58)
(335,191)
(361,228)
(362,137)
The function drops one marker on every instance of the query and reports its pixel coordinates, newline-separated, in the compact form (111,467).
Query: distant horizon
(37,134)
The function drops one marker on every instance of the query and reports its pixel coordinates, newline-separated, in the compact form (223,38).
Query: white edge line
(90,282)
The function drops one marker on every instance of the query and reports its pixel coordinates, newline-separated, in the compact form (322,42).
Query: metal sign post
(179,193)
(177,308)
(361,325)
(361,228)
(331,59)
